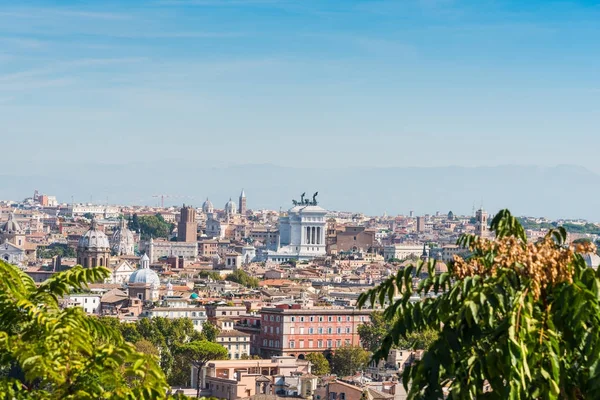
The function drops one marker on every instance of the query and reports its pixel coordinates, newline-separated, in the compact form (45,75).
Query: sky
(304,83)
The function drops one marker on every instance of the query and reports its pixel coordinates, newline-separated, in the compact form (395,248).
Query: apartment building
(289,330)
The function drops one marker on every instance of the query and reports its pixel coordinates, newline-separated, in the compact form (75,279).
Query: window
(292,344)
(330,318)
(338,343)
(362,319)
(277,343)
(302,331)
(266,329)
(339,330)
(320,344)
(301,319)
(277,330)
(329,343)
(277,319)
(339,319)
(347,342)
(271,318)
(348,318)
(270,343)
(342,396)
(293,319)
(347,329)
(329,330)
(311,331)
(320,319)
(310,344)
(271,329)
(301,345)
(292,331)
(320,331)
(311,319)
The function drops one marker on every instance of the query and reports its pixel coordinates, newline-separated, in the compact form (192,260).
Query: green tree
(214,275)
(151,226)
(49,352)
(146,347)
(56,249)
(88,215)
(134,223)
(320,365)
(243,278)
(347,360)
(198,353)
(372,333)
(522,317)
(210,331)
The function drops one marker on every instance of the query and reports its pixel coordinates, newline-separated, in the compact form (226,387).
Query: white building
(88,301)
(301,234)
(120,273)
(237,343)
(196,314)
(164,248)
(402,251)
(12,254)
(96,210)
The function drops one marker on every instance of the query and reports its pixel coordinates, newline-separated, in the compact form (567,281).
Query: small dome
(230,207)
(591,259)
(94,239)
(11,226)
(145,276)
(193,296)
(123,241)
(207,207)
(440,267)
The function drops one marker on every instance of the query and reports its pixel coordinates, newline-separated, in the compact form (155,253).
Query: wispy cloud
(176,35)
(23,42)
(37,12)
(64,66)
(217,3)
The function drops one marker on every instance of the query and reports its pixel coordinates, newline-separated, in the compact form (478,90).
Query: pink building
(293,331)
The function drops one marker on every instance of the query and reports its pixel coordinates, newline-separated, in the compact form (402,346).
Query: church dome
(11,226)
(207,207)
(145,276)
(123,241)
(230,207)
(591,259)
(94,239)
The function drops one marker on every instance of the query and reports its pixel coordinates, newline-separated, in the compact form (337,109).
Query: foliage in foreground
(47,352)
(523,318)
(163,336)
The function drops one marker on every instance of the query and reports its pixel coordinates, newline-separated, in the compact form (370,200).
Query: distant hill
(556,192)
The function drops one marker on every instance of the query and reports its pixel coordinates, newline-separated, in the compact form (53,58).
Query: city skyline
(385,84)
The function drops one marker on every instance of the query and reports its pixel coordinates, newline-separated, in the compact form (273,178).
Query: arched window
(93,262)
(101,262)
(85,262)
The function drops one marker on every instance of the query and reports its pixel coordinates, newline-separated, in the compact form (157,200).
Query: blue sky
(302,83)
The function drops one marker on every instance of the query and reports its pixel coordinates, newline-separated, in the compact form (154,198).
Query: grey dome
(145,276)
(230,207)
(123,241)
(11,226)
(207,207)
(94,239)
